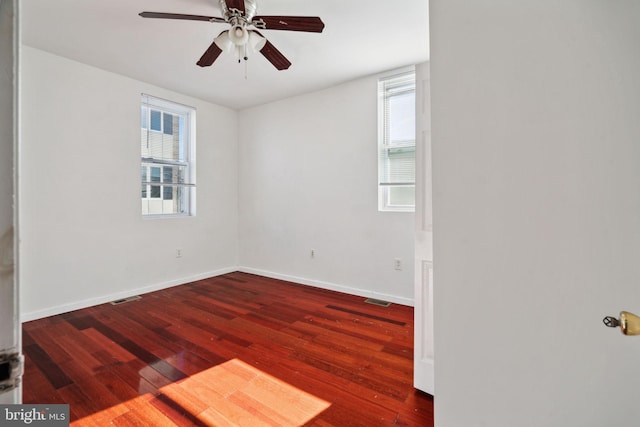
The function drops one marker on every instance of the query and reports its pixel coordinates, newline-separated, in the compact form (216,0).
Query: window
(397,142)
(167,158)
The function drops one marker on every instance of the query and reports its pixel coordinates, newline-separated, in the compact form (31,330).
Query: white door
(423,297)
(536,208)
(9,321)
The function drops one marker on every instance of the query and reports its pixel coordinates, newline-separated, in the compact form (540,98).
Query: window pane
(401,165)
(402,196)
(168,144)
(182,199)
(143,117)
(167,174)
(143,173)
(167,124)
(155,122)
(155,191)
(155,174)
(167,193)
(402,118)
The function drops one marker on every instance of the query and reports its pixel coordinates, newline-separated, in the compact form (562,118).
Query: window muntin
(396,142)
(167,158)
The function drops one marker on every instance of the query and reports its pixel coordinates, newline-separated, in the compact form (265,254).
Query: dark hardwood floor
(237,349)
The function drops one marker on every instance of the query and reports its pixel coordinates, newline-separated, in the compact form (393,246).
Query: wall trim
(76,305)
(329,286)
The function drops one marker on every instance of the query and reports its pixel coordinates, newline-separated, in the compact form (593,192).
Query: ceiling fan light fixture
(224,42)
(256,41)
(239,35)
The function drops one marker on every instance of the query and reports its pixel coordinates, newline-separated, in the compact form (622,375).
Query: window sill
(166,216)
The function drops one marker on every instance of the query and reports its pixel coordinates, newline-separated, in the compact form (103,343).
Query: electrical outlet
(178,253)
(397,264)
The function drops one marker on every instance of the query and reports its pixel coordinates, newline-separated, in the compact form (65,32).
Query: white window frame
(188,161)
(386,146)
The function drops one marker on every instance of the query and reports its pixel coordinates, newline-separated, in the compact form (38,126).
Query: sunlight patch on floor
(231,394)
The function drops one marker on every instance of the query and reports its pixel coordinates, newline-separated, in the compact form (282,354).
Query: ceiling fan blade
(236,4)
(274,56)
(209,55)
(163,15)
(312,24)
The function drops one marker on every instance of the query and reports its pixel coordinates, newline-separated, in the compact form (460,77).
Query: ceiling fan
(241,15)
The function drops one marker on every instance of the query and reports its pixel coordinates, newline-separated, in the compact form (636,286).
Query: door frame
(423,371)
(10,337)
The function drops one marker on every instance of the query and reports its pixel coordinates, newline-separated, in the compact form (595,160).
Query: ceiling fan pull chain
(246,67)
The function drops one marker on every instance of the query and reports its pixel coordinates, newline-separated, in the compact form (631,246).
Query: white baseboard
(76,305)
(330,286)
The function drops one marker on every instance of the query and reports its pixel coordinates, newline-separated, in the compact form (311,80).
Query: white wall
(308,176)
(306,180)
(536,160)
(84,240)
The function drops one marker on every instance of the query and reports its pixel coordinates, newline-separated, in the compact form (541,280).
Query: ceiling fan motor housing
(250,9)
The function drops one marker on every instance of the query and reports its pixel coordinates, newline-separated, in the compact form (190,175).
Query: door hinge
(11,370)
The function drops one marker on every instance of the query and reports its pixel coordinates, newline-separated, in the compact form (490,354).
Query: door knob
(629,323)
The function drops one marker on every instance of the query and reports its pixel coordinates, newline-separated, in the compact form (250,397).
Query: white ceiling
(361,37)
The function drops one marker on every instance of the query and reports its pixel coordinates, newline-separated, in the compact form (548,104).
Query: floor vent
(377,302)
(123,300)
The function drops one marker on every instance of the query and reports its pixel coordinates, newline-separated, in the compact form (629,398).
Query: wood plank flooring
(233,350)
